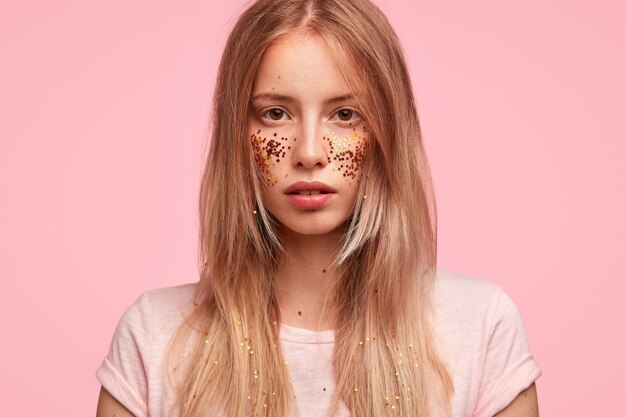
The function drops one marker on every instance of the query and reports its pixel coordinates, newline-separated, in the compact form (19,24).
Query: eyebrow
(289,99)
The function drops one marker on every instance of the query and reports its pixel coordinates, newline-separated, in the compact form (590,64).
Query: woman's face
(307,136)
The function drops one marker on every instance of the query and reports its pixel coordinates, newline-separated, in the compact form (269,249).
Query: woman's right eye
(274,114)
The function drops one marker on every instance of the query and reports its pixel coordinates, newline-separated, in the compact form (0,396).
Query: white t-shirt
(480,332)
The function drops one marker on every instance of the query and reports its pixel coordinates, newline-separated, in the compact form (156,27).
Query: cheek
(268,152)
(347,153)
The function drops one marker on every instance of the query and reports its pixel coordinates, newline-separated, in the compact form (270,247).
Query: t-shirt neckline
(300,335)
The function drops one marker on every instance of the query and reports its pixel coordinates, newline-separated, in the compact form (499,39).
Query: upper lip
(314,185)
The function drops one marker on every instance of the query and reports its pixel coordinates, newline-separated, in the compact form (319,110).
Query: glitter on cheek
(267,153)
(349,153)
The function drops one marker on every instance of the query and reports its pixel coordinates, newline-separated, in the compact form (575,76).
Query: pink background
(102,124)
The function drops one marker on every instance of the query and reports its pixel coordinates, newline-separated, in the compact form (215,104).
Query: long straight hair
(225,359)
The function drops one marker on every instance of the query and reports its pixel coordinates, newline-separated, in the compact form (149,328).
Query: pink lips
(310,201)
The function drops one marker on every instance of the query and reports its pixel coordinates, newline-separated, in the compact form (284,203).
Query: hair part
(226,353)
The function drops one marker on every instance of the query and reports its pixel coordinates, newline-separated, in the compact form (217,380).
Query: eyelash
(354,113)
(350,122)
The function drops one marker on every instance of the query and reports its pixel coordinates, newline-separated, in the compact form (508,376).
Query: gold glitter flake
(266,153)
(349,153)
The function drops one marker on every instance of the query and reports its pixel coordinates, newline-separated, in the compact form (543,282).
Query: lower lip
(310,202)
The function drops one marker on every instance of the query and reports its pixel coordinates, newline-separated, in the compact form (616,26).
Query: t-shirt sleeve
(123,372)
(509,367)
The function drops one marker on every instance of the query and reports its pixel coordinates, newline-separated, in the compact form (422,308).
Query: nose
(309,149)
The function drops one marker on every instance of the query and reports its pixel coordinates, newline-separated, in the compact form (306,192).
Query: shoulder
(160,311)
(482,338)
(155,308)
(464,302)
(460,282)
(455,293)
(468,308)
(169,297)
(151,317)
(131,371)
(167,300)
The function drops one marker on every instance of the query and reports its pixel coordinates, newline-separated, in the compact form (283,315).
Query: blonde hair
(225,357)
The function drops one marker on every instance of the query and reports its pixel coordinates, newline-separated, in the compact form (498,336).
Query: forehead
(302,65)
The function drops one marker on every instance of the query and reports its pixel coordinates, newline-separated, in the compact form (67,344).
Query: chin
(312,227)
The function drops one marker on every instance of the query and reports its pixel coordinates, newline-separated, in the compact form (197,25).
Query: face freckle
(266,153)
(348,153)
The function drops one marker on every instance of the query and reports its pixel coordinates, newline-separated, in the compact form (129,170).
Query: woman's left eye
(348,115)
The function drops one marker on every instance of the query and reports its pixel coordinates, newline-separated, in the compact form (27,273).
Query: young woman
(319,293)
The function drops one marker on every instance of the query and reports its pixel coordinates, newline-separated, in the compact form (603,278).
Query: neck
(305,278)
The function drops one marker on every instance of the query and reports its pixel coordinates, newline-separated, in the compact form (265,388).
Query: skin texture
(303,135)
(300,66)
(524,405)
(108,406)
